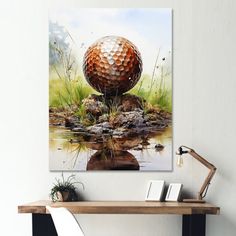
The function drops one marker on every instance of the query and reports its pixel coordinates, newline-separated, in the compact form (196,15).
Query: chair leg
(43,225)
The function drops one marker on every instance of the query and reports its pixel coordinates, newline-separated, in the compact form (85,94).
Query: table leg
(43,225)
(194,225)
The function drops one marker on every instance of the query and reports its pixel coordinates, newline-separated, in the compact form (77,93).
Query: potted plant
(64,190)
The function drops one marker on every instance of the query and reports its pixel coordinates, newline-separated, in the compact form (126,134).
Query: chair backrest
(65,222)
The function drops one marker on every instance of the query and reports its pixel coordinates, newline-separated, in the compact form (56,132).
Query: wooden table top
(123,207)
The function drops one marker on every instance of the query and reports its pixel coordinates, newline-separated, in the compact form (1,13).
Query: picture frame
(105,72)
(173,192)
(155,190)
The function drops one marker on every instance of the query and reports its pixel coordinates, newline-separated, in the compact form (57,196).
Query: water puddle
(70,151)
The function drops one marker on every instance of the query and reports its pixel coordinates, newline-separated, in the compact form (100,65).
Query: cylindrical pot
(66,196)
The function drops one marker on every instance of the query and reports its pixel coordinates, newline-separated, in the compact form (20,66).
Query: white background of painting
(204,117)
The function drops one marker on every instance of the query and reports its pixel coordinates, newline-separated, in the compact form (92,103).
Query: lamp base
(193,200)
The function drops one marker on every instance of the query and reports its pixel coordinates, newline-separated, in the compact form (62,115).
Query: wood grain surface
(123,207)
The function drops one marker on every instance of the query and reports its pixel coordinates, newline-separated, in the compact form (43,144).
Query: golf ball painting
(110,89)
(112,65)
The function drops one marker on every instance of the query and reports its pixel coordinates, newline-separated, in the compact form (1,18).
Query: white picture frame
(173,192)
(155,190)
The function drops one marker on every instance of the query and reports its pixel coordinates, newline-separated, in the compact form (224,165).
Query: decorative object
(65,190)
(203,191)
(155,190)
(110,89)
(173,192)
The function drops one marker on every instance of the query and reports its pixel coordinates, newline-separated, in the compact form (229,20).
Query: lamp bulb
(180,161)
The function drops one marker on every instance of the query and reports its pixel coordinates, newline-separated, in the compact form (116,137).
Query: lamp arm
(203,190)
(201,159)
(210,175)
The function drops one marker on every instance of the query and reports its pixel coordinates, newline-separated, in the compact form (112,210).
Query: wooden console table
(193,223)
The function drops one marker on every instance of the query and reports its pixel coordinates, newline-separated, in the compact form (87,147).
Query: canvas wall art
(110,89)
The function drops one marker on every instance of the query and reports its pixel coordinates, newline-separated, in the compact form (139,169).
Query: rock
(119,116)
(168,115)
(159,147)
(79,129)
(128,119)
(157,120)
(94,105)
(105,125)
(71,121)
(129,102)
(152,109)
(97,105)
(57,119)
(103,118)
(98,130)
(101,128)
(119,132)
(153,117)
(56,110)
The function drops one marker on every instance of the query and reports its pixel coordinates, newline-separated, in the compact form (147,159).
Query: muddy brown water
(69,151)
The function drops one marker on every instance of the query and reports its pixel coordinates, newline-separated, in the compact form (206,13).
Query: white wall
(204,117)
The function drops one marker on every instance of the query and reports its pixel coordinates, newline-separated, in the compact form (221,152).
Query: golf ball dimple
(112,65)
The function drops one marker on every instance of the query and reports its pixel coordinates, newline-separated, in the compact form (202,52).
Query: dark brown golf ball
(112,65)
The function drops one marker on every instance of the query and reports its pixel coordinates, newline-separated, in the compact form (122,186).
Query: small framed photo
(155,190)
(173,192)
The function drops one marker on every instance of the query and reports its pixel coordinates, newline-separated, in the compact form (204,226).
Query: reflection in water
(73,151)
(112,160)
